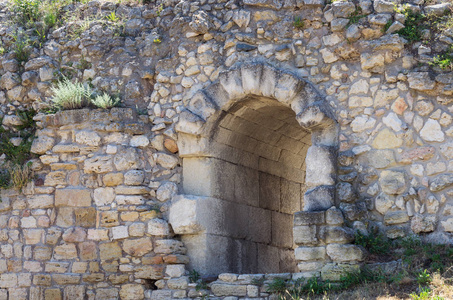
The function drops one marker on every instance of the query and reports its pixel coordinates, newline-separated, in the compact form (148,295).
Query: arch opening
(253,180)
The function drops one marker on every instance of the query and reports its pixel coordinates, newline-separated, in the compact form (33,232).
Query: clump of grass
(19,175)
(387,26)
(375,243)
(298,22)
(356,16)
(106,101)
(70,95)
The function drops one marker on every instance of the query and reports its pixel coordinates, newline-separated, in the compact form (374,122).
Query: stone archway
(257,146)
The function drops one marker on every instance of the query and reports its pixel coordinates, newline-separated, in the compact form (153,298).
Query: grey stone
(343,253)
(441,182)
(392,182)
(319,198)
(380,158)
(345,192)
(309,218)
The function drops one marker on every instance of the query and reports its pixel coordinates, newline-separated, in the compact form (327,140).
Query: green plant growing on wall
(355,17)
(443,60)
(413,24)
(112,17)
(15,172)
(298,22)
(106,101)
(70,95)
(27,11)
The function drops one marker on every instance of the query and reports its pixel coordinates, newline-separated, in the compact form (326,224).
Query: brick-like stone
(72,197)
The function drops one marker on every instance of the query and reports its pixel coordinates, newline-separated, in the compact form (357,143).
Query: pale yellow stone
(386,139)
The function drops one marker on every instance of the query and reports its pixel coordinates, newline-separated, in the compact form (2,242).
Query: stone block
(65,252)
(85,217)
(309,218)
(282,225)
(223,289)
(75,292)
(319,198)
(320,169)
(392,182)
(334,216)
(65,217)
(137,247)
(395,217)
(40,201)
(343,253)
(336,234)
(109,251)
(310,253)
(334,272)
(132,292)
(305,235)
(33,236)
(183,215)
(98,164)
(72,197)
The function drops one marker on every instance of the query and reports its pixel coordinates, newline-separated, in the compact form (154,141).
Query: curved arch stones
(200,118)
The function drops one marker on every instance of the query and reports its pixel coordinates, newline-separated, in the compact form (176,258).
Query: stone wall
(90,223)
(237,106)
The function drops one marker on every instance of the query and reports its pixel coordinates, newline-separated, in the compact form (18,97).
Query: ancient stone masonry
(255,138)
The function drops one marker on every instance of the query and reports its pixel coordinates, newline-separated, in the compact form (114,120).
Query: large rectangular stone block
(305,235)
(72,197)
(269,191)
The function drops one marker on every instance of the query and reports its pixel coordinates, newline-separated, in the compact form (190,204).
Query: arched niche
(257,146)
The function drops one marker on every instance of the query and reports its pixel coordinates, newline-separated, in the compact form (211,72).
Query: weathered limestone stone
(166,191)
(98,164)
(89,138)
(104,196)
(319,198)
(134,177)
(158,227)
(309,218)
(447,225)
(343,253)
(40,201)
(65,251)
(310,253)
(33,236)
(126,159)
(150,272)
(441,182)
(175,270)
(140,141)
(421,223)
(113,179)
(383,203)
(335,234)
(362,123)
(305,235)
(223,289)
(72,197)
(137,247)
(420,81)
(167,161)
(109,251)
(420,153)
(447,150)
(42,144)
(396,217)
(432,132)
(75,234)
(334,216)
(386,139)
(55,178)
(380,158)
(183,215)
(85,216)
(392,182)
